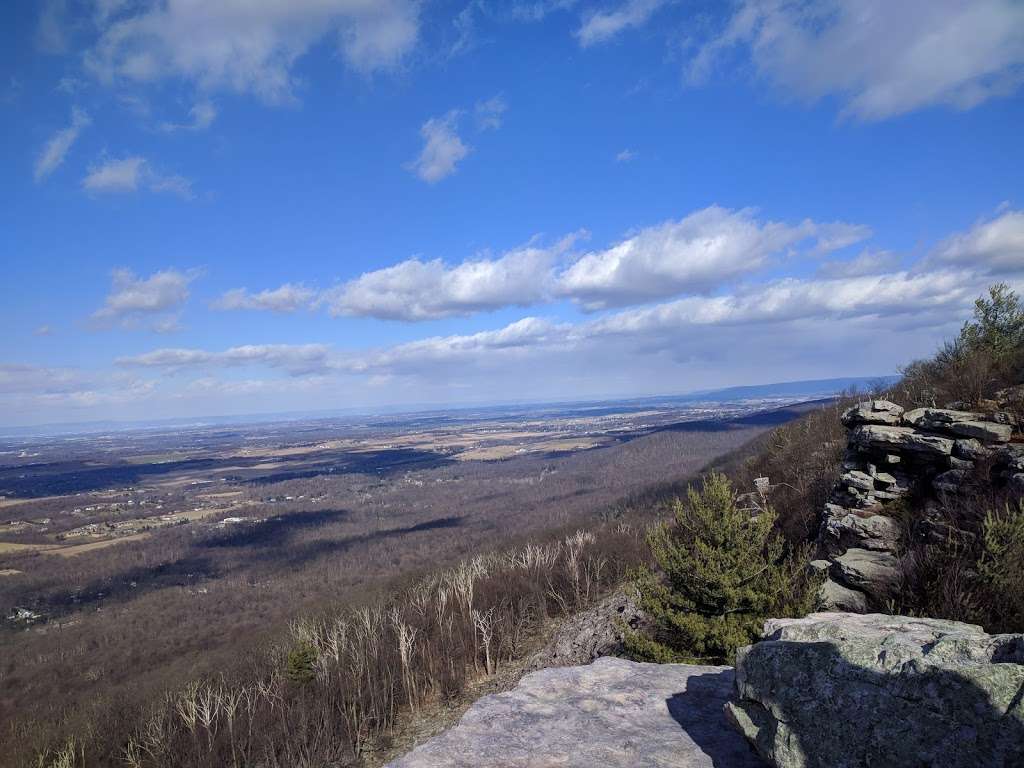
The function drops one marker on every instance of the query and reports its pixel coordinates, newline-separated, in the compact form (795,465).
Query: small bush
(724,571)
(1001,569)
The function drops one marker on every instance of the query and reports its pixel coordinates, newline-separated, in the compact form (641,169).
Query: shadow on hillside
(274,531)
(700,711)
(918,716)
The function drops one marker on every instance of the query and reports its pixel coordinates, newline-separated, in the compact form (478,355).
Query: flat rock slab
(612,713)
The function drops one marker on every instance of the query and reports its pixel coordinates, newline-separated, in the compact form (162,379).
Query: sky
(217,207)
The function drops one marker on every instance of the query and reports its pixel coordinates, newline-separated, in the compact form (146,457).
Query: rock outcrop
(841,690)
(890,453)
(593,633)
(612,713)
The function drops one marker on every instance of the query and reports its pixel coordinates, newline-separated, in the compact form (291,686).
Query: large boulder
(613,713)
(592,633)
(877,573)
(873,412)
(843,690)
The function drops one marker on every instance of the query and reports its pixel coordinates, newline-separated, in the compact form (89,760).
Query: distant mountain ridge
(811,388)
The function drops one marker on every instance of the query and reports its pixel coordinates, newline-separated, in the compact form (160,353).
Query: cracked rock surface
(844,690)
(612,713)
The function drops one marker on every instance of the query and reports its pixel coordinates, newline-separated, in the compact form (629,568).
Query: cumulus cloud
(130,174)
(57,148)
(296,359)
(767,315)
(694,254)
(704,250)
(427,290)
(995,245)
(442,148)
(248,47)
(155,299)
(602,26)
(881,58)
(288,298)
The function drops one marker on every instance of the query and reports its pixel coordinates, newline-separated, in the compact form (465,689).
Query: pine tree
(722,572)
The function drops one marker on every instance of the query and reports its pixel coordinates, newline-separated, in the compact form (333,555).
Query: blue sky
(238,207)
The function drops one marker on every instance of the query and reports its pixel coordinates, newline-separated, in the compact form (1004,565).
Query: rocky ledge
(612,713)
(841,690)
(935,452)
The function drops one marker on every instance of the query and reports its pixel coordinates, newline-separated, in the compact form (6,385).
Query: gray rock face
(873,412)
(877,573)
(833,596)
(591,634)
(613,713)
(840,690)
(901,439)
(846,529)
(960,423)
(969,449)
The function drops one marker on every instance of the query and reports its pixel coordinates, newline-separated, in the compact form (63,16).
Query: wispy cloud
(490,114)
(442,151)
(602,26)
(626,156)
(57,148)
(881,58)
(296,359)
(248,47)
(288,298)
(201,116)
(130,174)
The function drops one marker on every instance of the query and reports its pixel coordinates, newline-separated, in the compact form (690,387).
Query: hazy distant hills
(809,389)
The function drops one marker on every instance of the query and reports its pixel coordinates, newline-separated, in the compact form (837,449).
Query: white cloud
(602,26)
(52,28)
(296,359)
(792,299)
(43,387)
(43,330)
(866,263)
(201,116)
(706,249)
(881,58)
(57,148)
(115,175)
(129,174)
(699,252)
(481,348)
(490,114)
(156,298)
(249,47)
(288,298)
(426,290)
(442,148)
(626,156)
(995,245)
